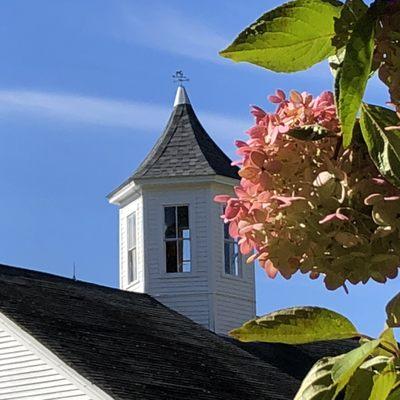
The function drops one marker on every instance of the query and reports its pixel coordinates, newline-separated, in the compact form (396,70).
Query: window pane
(131,265)
(232,258)
(228,258)
(134,230)
(186,266)
(186,250)
(183,222)
(183,217)
(226,231)
(170,222)
(131,231)
(184,233)
(134,265)
(171,256)
(238,260)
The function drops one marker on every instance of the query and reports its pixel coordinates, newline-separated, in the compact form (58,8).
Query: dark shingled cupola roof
(184,149)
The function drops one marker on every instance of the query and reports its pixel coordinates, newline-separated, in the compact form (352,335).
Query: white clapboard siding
(234,301)
(23,375)
(187,293)
(206,295)
(26,373)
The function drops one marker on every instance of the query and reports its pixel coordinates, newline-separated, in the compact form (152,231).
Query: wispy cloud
(156,25)
(137,116)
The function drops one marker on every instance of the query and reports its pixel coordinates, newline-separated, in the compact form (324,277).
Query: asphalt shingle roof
(131,346)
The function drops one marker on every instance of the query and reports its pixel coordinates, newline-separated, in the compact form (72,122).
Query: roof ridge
(205,134)
(158,143)
(26,271)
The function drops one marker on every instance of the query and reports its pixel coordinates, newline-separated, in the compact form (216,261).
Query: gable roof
(131,346)
(184,149)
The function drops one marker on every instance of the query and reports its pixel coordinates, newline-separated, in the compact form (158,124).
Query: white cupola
(173,244)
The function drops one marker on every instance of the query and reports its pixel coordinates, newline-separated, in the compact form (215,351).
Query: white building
(173,243)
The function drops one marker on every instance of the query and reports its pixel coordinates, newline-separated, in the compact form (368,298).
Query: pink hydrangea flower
(303,206)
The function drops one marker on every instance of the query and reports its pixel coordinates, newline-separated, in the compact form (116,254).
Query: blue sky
(85,90)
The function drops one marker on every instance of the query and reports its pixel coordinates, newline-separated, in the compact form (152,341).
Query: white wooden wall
(235,296)
(187,293)
(206,295)
(27,375)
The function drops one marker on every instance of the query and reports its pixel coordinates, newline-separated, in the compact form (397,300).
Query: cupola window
(177,239)
(232,257)
(132,251)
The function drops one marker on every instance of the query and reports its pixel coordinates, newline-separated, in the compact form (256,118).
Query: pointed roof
(181,96)
(184,149)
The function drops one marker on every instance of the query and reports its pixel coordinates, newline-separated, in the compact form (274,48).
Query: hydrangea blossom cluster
(310,205)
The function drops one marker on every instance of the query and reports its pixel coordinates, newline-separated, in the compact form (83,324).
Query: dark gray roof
(131,346)
(296,361)
(184,149)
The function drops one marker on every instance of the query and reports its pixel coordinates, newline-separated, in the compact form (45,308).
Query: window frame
(134,272)
(177,240)
(231,242)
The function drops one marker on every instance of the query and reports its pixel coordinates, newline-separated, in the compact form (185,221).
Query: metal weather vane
(179,77)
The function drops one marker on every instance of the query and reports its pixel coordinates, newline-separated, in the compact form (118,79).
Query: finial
(74,272)
(179,77)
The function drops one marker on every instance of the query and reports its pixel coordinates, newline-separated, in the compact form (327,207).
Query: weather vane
(180,77)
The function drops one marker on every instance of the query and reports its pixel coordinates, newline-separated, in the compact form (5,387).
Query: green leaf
(318,384)
(351,12)
(383,145)
(395,394)
(309,132)
(345,367)
(355,73)
(378,363)
(335,65)
(359,386)
(393,312)
(384,382)
(389,341)
(289,38)
(296,325)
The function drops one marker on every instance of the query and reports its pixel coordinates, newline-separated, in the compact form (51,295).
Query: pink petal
(296,97)
(379,181)
(373,199)
(258,112)
(245,246)
(287,199)
(283,128)
(280,93)
(236,163)
(270,269)
(240,143)
(233,229)
(221,198)
(391,198)
(231,211)
(332,217)
(275,99)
